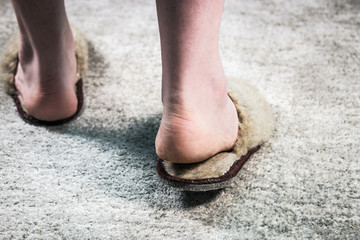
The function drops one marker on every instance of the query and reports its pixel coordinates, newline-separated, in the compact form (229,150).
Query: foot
(46,77)
(196,124)
(199,119)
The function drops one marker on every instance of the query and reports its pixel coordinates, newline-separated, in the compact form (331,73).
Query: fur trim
(255,127)
(9,59)
(81,52)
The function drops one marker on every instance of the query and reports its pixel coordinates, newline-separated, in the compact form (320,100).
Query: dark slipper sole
(206,184)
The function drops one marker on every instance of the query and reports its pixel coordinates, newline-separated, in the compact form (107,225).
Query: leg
(199,119)
(46,72)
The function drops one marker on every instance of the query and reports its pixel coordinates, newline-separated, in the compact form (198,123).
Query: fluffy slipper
(255,127)
(9,62)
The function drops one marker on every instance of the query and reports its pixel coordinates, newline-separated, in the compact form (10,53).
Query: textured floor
(95,178)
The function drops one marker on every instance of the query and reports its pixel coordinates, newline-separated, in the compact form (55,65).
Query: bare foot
(199,119)
(46,73)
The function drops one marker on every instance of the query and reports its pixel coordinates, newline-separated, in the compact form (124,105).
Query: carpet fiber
(95,177)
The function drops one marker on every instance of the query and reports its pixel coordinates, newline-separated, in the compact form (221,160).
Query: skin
(199,119)
(46,74)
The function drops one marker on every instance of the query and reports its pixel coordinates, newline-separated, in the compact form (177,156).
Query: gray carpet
(95,177)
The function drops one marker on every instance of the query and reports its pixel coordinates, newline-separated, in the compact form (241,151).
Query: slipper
(255,127)
(9,63)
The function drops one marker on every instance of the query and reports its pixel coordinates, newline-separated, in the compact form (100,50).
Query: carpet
(95,177)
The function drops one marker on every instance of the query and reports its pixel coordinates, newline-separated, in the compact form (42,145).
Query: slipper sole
(255,128)
(206,184)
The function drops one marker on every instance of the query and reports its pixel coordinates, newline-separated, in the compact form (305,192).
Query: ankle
(48,64)
(48,48)
(194,93)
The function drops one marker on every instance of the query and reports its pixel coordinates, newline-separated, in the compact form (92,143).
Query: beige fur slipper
(255,127)
(9,62)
